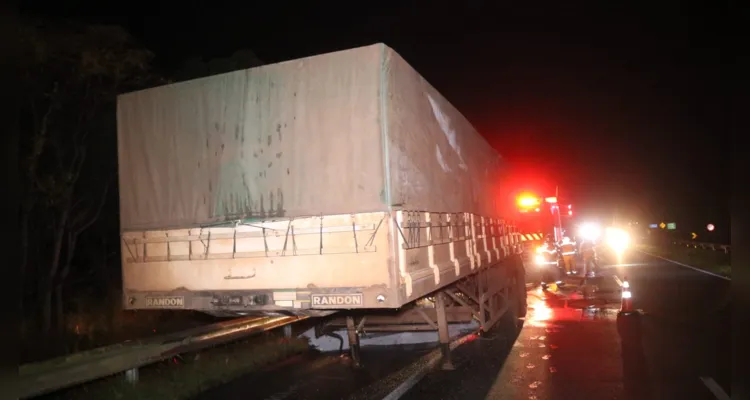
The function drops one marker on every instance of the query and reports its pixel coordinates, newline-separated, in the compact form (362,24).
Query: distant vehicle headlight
(618,239)
(590,231)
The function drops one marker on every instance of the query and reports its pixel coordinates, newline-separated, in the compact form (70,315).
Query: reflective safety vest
(568,249)
(587,249)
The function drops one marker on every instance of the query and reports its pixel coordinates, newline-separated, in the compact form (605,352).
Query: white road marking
(428,363)
(687,266)
(714,387)
(627,265)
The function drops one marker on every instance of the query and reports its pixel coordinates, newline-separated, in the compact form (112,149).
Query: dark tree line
(72,74)
(197,67)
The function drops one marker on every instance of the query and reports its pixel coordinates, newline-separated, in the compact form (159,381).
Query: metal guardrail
(703,245)
(40,378)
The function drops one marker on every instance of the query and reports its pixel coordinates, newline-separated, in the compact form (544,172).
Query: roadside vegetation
(716,262)
(91,323)
(70,275)
(189,374)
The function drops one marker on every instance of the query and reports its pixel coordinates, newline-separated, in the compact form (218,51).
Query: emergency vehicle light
(528,201)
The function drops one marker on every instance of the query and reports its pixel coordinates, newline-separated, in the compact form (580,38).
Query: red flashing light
(570,212)
(528,201)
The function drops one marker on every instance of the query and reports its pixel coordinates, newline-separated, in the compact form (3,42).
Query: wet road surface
(565,351)
(319,375)
(572,346)
(686,325)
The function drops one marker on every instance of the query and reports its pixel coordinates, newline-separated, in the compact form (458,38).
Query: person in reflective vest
(551,252)
(551,272)
(552,248)
(568,249)
(588,251)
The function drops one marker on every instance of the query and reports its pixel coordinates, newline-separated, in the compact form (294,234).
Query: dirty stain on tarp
(239,202)
(242,187)
(448,130)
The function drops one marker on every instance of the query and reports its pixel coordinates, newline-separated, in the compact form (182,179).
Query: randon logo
(172,301)
(337,300)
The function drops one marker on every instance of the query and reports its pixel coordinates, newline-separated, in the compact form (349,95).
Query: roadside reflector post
(353,342)
(626,306)
(629,321)
(131,376)
(443,334)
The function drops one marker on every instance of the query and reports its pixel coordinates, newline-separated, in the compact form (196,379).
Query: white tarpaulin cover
(345,132)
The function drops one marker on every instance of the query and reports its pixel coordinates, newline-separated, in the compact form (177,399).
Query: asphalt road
(320,376)
(676,349)
(572,346)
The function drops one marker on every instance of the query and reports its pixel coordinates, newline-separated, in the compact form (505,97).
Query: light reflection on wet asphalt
(568,351)
(564,351)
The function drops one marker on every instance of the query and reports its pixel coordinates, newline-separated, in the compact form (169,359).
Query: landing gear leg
(353,342)
(443,332)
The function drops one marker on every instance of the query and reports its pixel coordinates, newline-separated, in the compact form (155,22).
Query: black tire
(509,326)
(517,293)
(521,296)
(517,289)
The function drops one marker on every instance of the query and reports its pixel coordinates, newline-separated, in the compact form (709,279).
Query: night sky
(624,108)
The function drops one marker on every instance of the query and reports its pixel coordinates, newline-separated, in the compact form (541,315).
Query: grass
(187,375)
(91,323)
(713,261)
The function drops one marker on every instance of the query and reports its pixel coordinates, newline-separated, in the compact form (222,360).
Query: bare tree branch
(98,212)
(73,73)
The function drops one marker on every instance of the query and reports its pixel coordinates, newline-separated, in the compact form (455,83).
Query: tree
(73,75)
(196,67)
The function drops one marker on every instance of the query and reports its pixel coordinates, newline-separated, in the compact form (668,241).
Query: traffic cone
(626,306)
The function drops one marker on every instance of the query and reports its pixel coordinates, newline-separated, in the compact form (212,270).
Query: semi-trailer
(342,181)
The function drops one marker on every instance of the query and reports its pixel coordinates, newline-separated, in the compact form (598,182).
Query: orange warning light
(528,201)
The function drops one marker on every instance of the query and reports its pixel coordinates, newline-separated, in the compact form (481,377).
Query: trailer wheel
(521,292)
(517,301)
(517,290)
(509,325)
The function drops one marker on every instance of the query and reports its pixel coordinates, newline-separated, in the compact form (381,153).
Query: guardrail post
(131,376)
(45,377)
